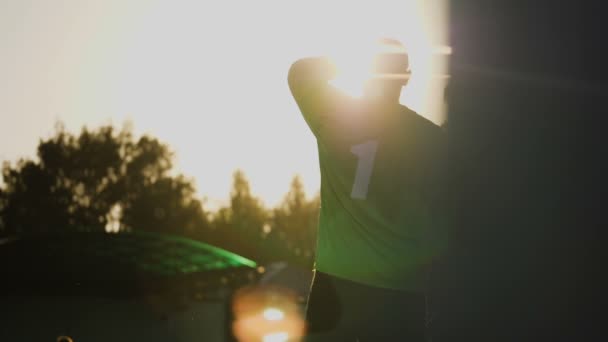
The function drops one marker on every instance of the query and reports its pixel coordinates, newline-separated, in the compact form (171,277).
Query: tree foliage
(78,180)
(238,226)
(294,223)
(107,180)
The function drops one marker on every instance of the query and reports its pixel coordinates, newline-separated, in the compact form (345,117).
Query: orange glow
(267,314)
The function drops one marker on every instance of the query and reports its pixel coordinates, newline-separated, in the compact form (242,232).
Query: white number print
(366,153)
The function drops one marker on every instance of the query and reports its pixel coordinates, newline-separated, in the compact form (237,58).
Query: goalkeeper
(378,227)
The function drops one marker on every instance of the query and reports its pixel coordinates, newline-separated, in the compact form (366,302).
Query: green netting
(154,253)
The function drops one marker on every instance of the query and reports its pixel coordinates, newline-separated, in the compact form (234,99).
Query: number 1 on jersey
(366,153)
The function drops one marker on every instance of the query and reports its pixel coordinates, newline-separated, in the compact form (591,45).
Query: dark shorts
(342,310)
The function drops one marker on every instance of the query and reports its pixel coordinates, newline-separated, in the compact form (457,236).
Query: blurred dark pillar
(526,125)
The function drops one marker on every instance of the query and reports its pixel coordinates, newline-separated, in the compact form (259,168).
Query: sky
(209,78)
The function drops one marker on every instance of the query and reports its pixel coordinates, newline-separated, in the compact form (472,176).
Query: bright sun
(353,61)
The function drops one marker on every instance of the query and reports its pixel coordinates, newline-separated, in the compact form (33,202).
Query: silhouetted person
(378,230)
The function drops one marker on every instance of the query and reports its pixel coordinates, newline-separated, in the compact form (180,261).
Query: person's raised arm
(308,81)
(311,70)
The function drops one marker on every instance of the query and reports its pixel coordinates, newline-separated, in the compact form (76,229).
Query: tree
(97,180)
(106,180)
(294,224)
(240,226)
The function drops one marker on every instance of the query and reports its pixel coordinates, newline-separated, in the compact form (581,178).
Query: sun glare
(210,81)
(420,26)
(353,63)
(348,34)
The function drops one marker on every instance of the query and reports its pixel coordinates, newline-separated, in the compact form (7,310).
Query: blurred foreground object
(118,287)
(526,126)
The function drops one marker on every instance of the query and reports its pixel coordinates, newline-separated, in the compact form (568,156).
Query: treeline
(108,180)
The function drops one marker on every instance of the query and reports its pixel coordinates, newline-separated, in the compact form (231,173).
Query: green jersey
(378,164)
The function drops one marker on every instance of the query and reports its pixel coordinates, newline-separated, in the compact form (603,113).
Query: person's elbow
(310,70)
(295,76)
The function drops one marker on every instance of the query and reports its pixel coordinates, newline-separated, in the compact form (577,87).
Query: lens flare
(276,337)
(273,314)
(267,313)
(357,62)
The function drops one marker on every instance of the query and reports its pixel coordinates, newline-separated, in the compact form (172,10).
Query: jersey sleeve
(317,99)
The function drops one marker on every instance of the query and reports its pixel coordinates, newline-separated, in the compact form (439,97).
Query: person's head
(390,72)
